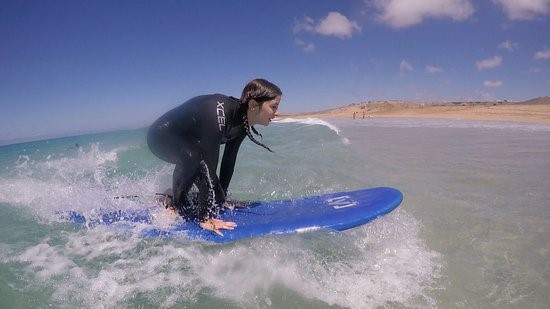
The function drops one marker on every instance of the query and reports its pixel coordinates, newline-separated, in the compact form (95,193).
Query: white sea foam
(311,122)
(365,267)
(85,183)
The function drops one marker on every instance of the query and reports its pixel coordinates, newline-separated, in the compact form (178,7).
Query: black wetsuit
(190,136)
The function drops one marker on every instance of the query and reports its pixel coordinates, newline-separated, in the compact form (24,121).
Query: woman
(190,136)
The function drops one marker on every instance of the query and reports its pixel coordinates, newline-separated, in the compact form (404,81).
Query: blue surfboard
(337,211)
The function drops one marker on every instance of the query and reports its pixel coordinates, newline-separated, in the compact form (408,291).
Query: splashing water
(48,261)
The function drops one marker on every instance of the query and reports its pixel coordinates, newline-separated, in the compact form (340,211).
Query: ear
(253,104)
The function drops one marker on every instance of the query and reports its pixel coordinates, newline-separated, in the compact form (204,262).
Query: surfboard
(336,211)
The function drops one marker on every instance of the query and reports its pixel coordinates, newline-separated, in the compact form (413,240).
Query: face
(265,113)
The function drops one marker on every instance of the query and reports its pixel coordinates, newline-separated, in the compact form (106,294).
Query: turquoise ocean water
(472,231)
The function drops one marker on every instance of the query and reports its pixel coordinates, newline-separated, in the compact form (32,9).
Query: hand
(216,224)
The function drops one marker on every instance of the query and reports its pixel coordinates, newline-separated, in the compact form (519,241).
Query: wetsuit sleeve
(207,149)
(210,143)
(228,162)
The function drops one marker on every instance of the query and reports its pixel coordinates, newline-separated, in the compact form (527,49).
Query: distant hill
(538,101)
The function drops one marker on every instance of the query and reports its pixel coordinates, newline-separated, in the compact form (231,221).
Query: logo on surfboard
(340,202)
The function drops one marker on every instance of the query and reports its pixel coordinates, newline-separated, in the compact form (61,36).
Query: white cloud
(405,13)
(492,83)
(306,24)
(405,66)
(542,54)
(524,9)
(508,45)
(489,63)
(432,69)
(338,25)
(307,47)
(334,24)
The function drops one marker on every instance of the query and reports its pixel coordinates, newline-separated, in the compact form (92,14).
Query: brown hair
(259,90)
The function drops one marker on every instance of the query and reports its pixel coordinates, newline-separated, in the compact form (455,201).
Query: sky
(71,67)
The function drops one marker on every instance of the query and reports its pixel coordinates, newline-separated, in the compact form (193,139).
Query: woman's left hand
(216,224)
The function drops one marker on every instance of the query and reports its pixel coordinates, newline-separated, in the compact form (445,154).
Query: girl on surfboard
(190,137)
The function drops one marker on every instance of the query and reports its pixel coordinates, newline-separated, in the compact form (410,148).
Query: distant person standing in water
(190,137)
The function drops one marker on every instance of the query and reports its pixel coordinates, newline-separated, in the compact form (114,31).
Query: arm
(210,144)
(228,162)
(213,224)
(211,136)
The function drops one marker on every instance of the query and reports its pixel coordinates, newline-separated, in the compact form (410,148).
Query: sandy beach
(532,111)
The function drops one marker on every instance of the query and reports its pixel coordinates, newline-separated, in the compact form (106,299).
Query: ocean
(472,231)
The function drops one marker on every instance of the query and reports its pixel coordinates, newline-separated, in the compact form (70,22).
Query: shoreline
(536,111)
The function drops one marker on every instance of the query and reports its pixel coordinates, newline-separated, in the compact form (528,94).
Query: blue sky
(70,67)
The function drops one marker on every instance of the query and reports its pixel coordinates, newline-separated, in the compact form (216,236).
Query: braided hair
(259,90)
(247,128)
